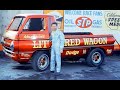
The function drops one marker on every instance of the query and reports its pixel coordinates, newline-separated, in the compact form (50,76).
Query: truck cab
(26,27)
(27,39)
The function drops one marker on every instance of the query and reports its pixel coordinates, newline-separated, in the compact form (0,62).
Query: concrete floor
(11,70)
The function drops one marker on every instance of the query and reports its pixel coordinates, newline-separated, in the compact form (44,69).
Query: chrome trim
(8,54)
(7,50)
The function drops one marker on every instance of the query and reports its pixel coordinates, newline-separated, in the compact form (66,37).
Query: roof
(32,14)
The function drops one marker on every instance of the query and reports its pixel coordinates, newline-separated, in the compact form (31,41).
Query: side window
(35,24)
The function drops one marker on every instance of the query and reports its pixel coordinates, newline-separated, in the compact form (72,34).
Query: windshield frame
(20,23)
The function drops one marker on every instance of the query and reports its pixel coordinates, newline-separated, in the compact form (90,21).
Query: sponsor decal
(109,51)
(72,52)
(34,36)
(83,22)
(84,51)
(25,55)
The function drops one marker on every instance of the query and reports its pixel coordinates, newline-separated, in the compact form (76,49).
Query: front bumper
(19,57)
(9,53)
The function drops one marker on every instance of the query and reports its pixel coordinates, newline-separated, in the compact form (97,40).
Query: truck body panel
(22,43)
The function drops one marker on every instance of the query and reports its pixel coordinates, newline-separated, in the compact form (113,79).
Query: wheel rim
(96,57)
(43,62)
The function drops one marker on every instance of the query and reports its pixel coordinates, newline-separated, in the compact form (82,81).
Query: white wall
(7,15)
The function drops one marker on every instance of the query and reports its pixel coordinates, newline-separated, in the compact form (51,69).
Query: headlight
(12,45)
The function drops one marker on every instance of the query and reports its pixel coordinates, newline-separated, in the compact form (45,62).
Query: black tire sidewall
(89,57)
(35,59)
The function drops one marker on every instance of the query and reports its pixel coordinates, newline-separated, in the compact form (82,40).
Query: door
(34,36)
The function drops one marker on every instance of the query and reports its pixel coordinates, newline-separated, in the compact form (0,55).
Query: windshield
(16,23)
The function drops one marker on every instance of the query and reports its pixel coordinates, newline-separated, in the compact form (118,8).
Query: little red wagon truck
(27,40)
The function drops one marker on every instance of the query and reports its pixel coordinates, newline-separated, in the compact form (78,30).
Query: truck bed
(77,33)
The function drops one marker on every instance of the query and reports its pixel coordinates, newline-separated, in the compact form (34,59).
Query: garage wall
(7,15)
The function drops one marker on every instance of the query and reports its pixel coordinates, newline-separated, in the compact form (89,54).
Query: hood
(10,34)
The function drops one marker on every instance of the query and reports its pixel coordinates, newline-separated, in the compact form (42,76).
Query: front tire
(40,61)
(95,57)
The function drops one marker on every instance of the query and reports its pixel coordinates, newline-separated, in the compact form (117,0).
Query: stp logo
(83,22)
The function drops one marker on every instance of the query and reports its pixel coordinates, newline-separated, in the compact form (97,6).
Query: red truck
(27,39)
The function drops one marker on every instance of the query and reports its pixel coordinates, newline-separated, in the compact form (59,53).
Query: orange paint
(28,42)
(1,47)
(116,47)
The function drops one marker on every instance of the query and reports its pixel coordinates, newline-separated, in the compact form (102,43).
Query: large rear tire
(95,57)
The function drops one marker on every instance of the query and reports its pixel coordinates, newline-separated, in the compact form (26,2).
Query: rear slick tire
(95,57)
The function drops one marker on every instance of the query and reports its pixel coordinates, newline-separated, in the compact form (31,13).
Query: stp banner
(91,20)
(82,20)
